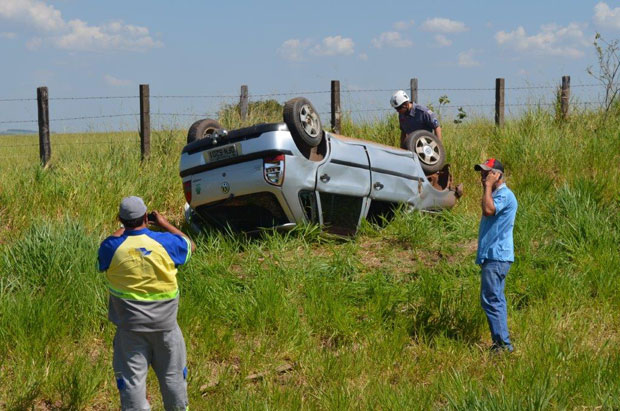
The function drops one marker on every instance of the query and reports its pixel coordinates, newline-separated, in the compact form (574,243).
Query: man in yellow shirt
(140,267)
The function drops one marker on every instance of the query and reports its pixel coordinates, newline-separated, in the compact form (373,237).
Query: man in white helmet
(413,117)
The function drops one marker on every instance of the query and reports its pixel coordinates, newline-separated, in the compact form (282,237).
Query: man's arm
(402,139)
(161,221)
(438,133)
(488,206)
(432,122)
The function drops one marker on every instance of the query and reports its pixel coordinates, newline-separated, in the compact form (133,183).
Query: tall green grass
(389,319)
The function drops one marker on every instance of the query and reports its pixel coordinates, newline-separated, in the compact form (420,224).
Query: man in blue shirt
(495,248)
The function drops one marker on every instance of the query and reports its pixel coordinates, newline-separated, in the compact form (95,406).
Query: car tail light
(187,189)
(273,169)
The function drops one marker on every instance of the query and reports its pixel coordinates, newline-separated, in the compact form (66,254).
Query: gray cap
(131,208)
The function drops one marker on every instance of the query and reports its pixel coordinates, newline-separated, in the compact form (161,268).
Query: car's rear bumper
(240,188)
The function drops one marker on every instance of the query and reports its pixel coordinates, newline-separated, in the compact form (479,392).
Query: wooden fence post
(413,84)
(145,121)
(45,149)
(243,102)
(499,102)
(565,96)
(336,106)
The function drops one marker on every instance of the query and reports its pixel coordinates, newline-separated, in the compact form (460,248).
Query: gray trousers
(165,352)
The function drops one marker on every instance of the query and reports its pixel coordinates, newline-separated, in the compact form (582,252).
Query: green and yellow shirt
(141,268)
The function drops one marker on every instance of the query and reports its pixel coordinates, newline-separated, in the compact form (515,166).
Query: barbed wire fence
(329,104)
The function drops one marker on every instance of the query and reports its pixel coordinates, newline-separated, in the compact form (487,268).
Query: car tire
(202,128)
(428,148)
(303,122)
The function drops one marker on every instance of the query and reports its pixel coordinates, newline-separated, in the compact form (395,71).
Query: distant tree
(608,70)
(460,116)
(443,100)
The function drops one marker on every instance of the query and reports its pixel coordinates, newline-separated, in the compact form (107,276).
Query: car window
(341,213)
(308,202)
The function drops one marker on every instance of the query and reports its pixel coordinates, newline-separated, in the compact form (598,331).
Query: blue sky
(107,48)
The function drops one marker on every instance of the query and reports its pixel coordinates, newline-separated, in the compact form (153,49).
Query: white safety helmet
(399,98)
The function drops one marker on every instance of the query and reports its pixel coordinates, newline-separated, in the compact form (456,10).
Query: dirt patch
(374,253)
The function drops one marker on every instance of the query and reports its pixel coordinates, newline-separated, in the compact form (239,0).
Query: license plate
(223,153)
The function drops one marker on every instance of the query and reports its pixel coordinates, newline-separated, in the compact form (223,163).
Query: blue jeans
(493,301)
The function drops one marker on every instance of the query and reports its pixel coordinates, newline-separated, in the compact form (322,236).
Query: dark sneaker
(501,348)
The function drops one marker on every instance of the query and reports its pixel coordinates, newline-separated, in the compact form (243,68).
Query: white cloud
(7,35)
(390,39)
(466,58)
(443,25)
(551,40)
(442,41)
(112,36)
(606,17)
(363,56)
(293,49)
(32,12)
(116,82)
(297,50)
(74,35)
(334,46)
(403,25)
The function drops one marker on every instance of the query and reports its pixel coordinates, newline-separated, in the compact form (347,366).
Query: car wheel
(428,148)
(202,128)
(303,122)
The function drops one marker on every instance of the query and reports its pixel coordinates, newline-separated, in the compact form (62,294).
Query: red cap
(490,164)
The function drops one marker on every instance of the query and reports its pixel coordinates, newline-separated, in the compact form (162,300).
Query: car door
(343,184)
(395,175)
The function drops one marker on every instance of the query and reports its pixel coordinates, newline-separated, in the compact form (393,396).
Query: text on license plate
(222,153)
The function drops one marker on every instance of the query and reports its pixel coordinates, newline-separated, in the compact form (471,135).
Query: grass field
(387,320)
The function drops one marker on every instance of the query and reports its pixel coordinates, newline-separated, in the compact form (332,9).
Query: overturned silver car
(282,174)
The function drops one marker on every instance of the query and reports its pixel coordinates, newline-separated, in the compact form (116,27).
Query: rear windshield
(244,213)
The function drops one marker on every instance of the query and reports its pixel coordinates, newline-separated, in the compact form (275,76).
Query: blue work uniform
(418,118)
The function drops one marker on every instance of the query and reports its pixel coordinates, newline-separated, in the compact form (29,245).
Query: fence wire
(155,114)
(18,121)
(197,96)
(95,98)
(291,93)
(287,93)
(186,114)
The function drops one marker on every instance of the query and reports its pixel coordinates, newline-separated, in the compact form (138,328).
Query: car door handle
(378,186)
(325,178)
